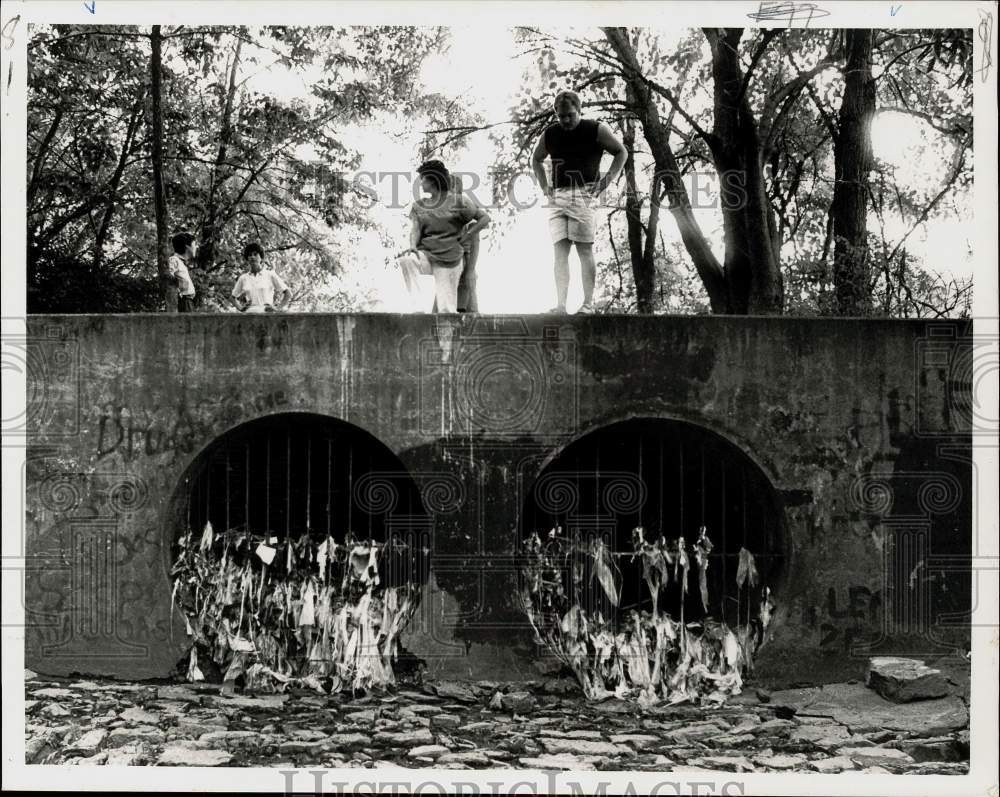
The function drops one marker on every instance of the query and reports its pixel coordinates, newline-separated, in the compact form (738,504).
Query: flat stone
(30,675)
(177,693)
(694,731)
(349,741)
(121,737)
(56,711)
(730,741)
(565,761)
(89,743)
(941,768)
(451,690)
(826,737)
(131,755)
(409,739)
(307,734)
(245,701)
(186,757)
(298,746)
(924,750)
(875,756)
(52,693)
(858,707)
(93,760)
(838,763)
(361,717)
(35,750)
(574,734)
(139,716)
(518,702)
(725,763)
(781,762)
(467,758)
(774,725)
(427,750)
(424,708)
(231,740)
(905,680)
(194,728)
(446,720)
(582,747)
(639,741)
(614,706)
(87,686)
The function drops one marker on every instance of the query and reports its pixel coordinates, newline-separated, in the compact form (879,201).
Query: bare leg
(588,270)
(561,270)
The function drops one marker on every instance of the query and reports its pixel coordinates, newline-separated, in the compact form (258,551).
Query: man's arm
(282,289)
(538,164)
(237,295)
(607,139)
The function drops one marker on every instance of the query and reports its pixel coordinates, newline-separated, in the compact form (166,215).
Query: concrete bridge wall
(861,427)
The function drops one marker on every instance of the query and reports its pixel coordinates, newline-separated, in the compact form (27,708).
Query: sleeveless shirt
(576,154)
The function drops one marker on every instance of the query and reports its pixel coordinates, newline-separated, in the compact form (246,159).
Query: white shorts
(571,215)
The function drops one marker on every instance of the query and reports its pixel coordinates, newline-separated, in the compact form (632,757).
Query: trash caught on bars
(309,612)
(647,655)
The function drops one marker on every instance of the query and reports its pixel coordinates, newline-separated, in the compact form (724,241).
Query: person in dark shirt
(440,226)
(575,146)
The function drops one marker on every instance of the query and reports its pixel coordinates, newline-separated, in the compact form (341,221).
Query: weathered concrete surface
(862,428)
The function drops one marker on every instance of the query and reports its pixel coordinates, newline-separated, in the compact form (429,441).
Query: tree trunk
(667,170)
(852,164)
(159,195)
(209,229)
(753,271)
(643,278)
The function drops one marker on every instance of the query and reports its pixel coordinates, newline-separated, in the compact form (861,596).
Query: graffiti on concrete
(845,618)
(133,433)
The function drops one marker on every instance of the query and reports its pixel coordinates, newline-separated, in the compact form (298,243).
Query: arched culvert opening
(300,546)
(669,478)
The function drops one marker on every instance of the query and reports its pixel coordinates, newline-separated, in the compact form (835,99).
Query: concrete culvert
(300,554)
(652,553)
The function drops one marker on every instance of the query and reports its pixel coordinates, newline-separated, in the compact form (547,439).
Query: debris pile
(310,612)
(645,654)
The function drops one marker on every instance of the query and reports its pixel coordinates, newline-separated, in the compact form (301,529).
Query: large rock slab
(859,708)
(185,757)
(905,680)
(876,756)
(583,747)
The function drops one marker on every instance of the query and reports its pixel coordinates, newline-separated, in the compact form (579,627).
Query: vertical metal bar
(208,492)
(309,470)
(743,479)
(246,487)
(640,476)
(350,485)
(288,484)
(661,482)
(680,463)
(227,489)
(329,482)
(368,512)
(267,490)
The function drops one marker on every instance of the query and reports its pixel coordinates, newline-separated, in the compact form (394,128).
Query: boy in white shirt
(254,290)
(185,249)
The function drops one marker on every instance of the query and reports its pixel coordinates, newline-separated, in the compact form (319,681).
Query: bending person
(440,226)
